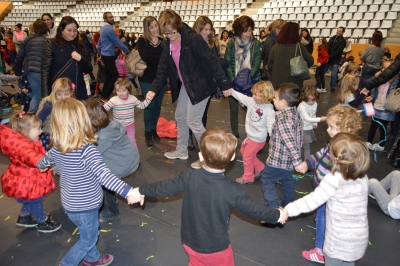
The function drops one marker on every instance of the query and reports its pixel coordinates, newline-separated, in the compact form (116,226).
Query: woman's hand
(150,95)
(76,56)
(368,99)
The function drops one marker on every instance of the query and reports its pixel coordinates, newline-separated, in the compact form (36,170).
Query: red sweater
(323,56)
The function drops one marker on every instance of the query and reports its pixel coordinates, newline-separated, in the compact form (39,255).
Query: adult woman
(128,40)
(223,42)
(31,51)
(283,51)
(243,52)
(65,56)
(191,68)
(271,39)
(263,36)
(150,49)
(307,40)
(133,40)
(19,36)
(372,56)
(49,20)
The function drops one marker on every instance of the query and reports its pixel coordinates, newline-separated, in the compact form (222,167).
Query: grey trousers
(337,262)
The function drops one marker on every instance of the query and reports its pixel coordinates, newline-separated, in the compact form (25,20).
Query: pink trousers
(130,132)
(224,257)
(251,163)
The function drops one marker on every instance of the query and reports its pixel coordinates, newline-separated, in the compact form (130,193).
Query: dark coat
(335,49)
(272,38)
(386,75)
(31,49)
(197,65)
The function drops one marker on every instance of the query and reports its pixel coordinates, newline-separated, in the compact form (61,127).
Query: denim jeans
(270,176)
(367,72)
(85,248)
(379,189)
(36,86)
(152,111)
(320,226)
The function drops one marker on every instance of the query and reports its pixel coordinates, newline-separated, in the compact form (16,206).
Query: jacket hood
(9,140)
(114,131)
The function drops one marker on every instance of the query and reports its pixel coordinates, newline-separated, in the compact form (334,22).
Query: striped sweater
(82,172)
(346,233)
(321,163)
(123,109)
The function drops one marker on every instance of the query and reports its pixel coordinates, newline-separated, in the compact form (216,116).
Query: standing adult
(284,50)
(263,36)
(242,52)
(19,36)
(133,40)
(150,49)
(31,50)
(307,40)
(187,61)
(271,39)
(106,47)
(372,56)
(49,20)
(223,42)
(65,56)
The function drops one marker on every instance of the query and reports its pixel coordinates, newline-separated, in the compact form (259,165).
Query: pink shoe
(105,259)
(313,255)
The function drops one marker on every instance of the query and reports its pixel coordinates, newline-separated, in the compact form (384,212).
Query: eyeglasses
(169,33)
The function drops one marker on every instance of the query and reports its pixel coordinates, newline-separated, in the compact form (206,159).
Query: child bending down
(82,173)
(123,106)
(208,201)
(23,180)
(345,192)
(260,117)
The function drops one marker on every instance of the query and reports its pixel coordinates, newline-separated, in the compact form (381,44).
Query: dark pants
(320,76)
(270,176)
(234,115)
(394,125)
(109,211)
(372,129)
(111,75)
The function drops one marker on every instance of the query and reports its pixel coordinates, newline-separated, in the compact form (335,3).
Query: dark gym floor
(151,235)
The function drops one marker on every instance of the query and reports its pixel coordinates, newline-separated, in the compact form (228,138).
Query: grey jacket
(31,49)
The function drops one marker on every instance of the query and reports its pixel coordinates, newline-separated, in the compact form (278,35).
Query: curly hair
(289,33)
(346,118)
(265,91)
(242,24)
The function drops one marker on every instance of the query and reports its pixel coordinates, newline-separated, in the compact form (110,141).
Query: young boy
(208,201)
(284,150)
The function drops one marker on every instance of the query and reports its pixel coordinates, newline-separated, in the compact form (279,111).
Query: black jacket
(335,49)
(272,38)
(31,49)
(386,75)
(197,65)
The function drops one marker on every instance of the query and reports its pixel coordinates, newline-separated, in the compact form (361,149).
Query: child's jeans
(85,248)
(320,226)
(251,163)
(130,132)
(270,176)
(224,257)
(34,207)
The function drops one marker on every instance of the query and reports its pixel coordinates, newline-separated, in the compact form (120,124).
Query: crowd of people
(92,153)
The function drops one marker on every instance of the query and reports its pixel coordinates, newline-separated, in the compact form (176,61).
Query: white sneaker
(197,165)
(323,90)
(370,146)
(379,148)
(319,90)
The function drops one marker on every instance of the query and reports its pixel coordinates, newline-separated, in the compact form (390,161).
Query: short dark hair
(40,27)
(289,92)
(242,24)
(105,15)
(19,26)
(343,28)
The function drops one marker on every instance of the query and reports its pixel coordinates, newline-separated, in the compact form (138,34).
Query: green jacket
(255,54)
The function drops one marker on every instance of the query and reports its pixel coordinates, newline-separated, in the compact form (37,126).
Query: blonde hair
(279,23)
(146,24)
(347,119)
(199,25)
(265,90)
(70,126)
(351,66)
(347,87)
(59,86)
(125,82)
(24,122)
(349,155)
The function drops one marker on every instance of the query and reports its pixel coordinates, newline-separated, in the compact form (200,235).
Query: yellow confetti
(149,257)
(1,196)
(149,148)
(105,231)
(69,240)
(117,236)
(168,161)
(369,242)
(7,218)
(162,211)
(166,197)
(12,257)
(152,239)
(19,245)
(14,105)
(76,230)
(151,231)
(117,240)
(143,224)
(301,230)
(109,223)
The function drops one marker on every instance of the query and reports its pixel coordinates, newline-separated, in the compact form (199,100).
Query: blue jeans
(152,112)
(320,226)
(36,86)
(85,248)
(270,176)
(367,72)
(334,75)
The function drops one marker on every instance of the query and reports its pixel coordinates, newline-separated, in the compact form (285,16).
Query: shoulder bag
(298,66)
(392,103)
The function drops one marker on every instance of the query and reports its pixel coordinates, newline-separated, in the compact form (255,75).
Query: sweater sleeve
(246,100)
(139,104)
(46,160)
(46,110)
(304,115)
(270,119)
(166,187)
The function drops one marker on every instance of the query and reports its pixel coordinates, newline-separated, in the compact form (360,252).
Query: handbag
(392,103)
(298,66)
(134,63)
(243,82)
(266,74)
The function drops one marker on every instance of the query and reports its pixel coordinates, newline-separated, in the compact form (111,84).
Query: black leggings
(372,129)
(320,77)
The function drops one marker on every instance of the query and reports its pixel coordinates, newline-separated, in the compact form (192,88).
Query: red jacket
(22,179)
(323,56)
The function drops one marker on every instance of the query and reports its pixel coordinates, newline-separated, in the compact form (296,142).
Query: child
(61,89)
(323,58)
(123,105)
(285,143)
(339,119)
(345,192)
(378,97)
(208,200)
(347,88)
(120,63)
(259,120)
(23,180)
(116,150)
(308,111)
(82,172)
(101,75)
(343,67)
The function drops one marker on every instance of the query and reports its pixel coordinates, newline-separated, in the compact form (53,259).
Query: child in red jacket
(23,180)
(323,58)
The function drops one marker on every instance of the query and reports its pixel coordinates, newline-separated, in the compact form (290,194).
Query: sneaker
(26,221)
(371,196)
(370,146)
(48,226)
(379,148)
(313,255)
(319,90)
(174,154)
(258,175)
(197,165)
(105,259)
(240,180)
(323,90)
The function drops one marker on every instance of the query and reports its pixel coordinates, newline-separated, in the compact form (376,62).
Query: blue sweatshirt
(108,40)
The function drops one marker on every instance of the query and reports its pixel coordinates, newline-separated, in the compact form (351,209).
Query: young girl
(308,111)
(345,192)
(323,58)
(61,89)
(82,173)
(120,63)
(347,88)
(259,120)
(101,75)
(378,97)
(123,105)
(116,150)
(23,180)
(339,119)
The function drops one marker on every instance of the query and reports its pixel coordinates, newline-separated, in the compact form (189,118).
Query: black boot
(149,138)
(395,148)
(190,143)
(155,136)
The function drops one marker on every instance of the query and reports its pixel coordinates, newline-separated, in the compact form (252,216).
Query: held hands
(284,215)
(368,99)
(302,168)
(134,196)
(323,118)
(150,95)
(76,56)
(364,91)
(227,93)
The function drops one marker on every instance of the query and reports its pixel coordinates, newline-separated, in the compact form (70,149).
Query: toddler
(123,106)
(323,57)
(120,63)
(23,180)
(308,112)
(347,88)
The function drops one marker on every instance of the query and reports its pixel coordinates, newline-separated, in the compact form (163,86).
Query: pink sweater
(120,63)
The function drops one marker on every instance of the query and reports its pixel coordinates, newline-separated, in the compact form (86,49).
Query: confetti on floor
(19,245)
(7,218)
(105,231)
(149,257)
(312,227)
(149,148)
(117,240)
(1,196)
(303,193)
(76,230)
(109,223)
(162,211)
(69,239)
(369,242)
(168,161)
(143,224)
(301,230)
(151,231)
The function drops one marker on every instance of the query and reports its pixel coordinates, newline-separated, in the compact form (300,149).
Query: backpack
(134,64)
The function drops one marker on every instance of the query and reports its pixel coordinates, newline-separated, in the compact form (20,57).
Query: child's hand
(302,168)
(364,91)
(134,196)
(227,93)
(323,118)
(284,215)
(368,99)
(43,170)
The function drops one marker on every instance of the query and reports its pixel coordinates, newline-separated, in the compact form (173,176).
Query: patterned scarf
(242,54)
